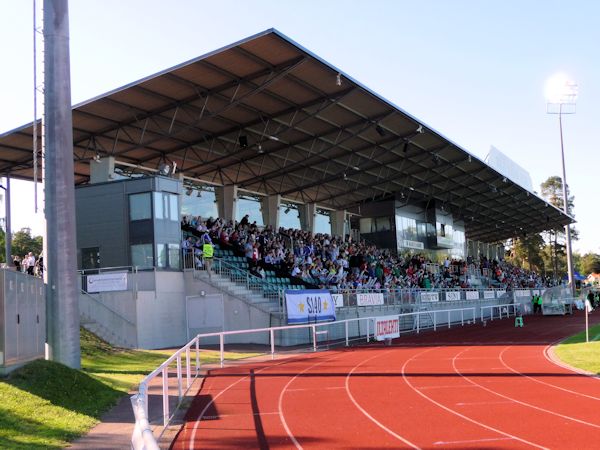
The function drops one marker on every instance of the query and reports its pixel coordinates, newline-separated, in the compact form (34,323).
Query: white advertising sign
(536,292)
(488,294)
(472,295)
(430,297)
(500,293)
(107,282)
(338,299)
(452,296)
(387,327)
(522,293)
(413,244)
(369,299)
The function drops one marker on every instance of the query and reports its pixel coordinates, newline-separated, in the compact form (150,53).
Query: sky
(473,70)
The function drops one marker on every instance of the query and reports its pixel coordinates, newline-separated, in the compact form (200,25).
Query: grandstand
(267,119)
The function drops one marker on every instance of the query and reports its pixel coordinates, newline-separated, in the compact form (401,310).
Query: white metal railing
(501,308)
(142,437)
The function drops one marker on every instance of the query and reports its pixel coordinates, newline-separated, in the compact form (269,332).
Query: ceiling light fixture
(338,79)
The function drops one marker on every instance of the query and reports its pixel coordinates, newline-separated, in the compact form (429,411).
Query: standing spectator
(30,263)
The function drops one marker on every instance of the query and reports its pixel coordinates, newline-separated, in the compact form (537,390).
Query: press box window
(140,207)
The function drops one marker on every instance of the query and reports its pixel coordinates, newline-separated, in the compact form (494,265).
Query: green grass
(575,352)
(45,405)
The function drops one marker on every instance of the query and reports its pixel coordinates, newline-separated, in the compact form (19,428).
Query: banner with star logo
(309,306)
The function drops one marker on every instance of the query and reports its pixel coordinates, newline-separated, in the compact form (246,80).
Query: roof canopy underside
(270,117)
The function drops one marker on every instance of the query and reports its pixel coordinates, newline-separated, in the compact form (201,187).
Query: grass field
(45,405)
(577,353)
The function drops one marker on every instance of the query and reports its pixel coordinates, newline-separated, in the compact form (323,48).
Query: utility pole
(62,295)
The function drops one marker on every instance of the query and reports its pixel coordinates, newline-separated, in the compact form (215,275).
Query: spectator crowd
(324,261)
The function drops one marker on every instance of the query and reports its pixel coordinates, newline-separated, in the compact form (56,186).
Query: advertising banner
(107,282)
(488,294)
(387,327)
(472,295)
(338,299)
(430,297)
(369,299)
(522,293)
(314,305)
(500,293)
(452,296)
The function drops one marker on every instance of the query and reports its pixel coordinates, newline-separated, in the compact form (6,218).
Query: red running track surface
(490,387)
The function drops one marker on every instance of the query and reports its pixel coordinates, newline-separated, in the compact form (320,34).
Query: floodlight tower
(561,94)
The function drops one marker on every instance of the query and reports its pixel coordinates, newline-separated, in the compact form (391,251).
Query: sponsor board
(500,293)
(338,299)
(387,327)
(489,294)
(413,244)
(311,305)
(369,299)
(472,295)
(522,293)
(107,282)
(430,297)
(452,296)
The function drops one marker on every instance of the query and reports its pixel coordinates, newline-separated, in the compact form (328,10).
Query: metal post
(314,336)
(8,235)
(197,355)
(346,327)
(61,258)
(165,395)
(566,206)
(367,330)
(188,374)
(448,319)
(222,348)
(272,333)
(179,380)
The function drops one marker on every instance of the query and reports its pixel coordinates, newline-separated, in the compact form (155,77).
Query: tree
(528,249)
(23,243)
(552,191)
(589,263)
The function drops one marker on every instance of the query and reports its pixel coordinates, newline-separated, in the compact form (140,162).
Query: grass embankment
(45,405)
(577,353)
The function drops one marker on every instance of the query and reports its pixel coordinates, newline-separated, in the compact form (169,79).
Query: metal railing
(505,308)
(185,375)
(254,285)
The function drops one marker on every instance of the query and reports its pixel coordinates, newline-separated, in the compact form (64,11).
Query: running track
(478,387)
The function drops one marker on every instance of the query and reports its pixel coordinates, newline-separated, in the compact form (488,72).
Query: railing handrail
(98,302)
(130,269)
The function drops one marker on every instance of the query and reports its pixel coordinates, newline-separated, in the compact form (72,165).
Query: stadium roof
(271,117)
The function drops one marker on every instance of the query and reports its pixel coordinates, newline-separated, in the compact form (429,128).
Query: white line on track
(361,409)
(456,413)
(543,382)
(465,376)
(482,403)
(247,377)
(221,416)
(280,403)
(316,389)
(472,441)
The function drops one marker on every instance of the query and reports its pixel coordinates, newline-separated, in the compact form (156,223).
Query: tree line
(546,252)
(22,243)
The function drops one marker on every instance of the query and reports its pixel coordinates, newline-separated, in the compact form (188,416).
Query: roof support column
(338,223)
(308,213)
(8,234)
(227,201)
(270,210)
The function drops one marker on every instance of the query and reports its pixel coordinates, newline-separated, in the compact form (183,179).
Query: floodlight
(380,130)
(560,89)
(287,210)
(188,191)
(338,79)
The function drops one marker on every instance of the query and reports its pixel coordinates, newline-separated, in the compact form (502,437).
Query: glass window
(174,256)
(140,207)
(158,205)
(365,225)
(141,256)
(383,224)
(161,255)
(174,207)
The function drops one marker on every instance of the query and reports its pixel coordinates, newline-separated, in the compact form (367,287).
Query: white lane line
(456,413)
(472,441)
(316,389)
(544,382)
(280,403)
(529,405)
(364,411)
(482,403)
(247,377)
(447,386)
